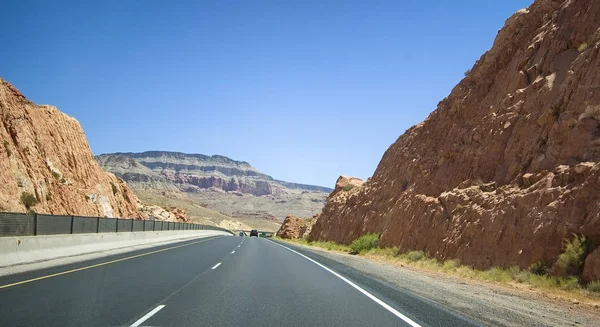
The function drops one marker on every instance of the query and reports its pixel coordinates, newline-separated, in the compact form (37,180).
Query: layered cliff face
(195,173)
(507,167)
(232,187)
(46,164)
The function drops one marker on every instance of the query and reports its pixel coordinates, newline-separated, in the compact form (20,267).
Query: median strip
(147,316)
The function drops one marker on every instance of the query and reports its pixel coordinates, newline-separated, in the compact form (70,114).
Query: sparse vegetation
(582,47)
(48,197)
(87,197)
(115,190)
(365,243)
(55,175)
(348,187)
(28,199)
(594,286)
(555,109)
(404,185)
(541,275)
(63,180)
(467,72)
(8,152)
(540,268)
(570,262)
(414,256)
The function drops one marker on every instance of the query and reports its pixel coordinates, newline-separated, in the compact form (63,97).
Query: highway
(217,281)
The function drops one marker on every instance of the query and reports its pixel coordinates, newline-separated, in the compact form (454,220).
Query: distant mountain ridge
(195,173)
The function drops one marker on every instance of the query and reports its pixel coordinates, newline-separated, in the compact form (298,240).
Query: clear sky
(304,90)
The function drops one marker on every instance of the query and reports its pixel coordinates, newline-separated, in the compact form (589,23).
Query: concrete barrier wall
(15,251)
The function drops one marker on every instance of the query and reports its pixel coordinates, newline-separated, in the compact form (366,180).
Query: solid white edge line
(369,295)
(147,316)
(215,267)
(232,252)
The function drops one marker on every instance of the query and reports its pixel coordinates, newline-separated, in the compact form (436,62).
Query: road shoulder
(494,305)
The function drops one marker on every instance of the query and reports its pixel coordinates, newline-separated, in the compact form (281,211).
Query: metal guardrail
(20,224)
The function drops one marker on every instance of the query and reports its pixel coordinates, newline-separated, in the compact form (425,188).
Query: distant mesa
(196,173)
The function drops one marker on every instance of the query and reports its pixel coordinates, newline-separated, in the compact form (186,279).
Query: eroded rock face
(506,167)
(294,227)
(173,214)
(44,153)
(195,173)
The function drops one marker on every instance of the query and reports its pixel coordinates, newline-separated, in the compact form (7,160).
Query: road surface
(217,281)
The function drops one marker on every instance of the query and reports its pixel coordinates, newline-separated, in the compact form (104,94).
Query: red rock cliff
(507,166)
(44,153)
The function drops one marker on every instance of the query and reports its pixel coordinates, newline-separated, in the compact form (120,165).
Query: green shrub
(451,264)
(594,286)
(87,197)
(467,72)
(415,256)
(404,185)
(55,174)
(48,197)
(348,187)
(28,199)
(540,268)
(570,262)
(114,188)
(63,180)
(8,152)
(364,243)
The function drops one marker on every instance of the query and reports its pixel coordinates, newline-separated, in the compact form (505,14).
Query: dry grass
(567,288)
(331,246)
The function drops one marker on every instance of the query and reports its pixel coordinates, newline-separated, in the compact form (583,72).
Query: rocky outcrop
(46,164)
(174,214)
(507,167)
(294,227)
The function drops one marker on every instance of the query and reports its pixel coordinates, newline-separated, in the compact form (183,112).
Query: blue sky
(303,90)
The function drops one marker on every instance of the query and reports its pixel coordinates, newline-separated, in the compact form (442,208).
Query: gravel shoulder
(492,304)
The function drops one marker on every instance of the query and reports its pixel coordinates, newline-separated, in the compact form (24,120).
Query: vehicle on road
(242,233)
(254,232)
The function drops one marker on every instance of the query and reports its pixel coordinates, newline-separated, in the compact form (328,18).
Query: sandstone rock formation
(294,227)
(46,164)
(507,166)
(174,214)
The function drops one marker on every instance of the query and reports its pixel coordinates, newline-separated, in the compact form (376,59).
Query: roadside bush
(348,188)
(451,264)
(594,286)
(56,175)
(415,256)
(8,152)
(540,268)
(28,200)
(570,262)
(364,243)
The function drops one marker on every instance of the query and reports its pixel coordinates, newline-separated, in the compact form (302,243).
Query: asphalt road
(219,281)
